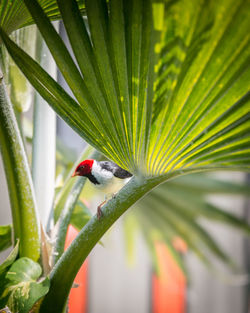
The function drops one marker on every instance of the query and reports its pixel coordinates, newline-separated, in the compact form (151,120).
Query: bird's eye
(81,167)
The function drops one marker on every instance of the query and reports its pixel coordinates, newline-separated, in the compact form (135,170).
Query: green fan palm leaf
(159,89)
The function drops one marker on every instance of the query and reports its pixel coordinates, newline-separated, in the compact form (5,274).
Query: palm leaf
(176,208)
(159,89)
(14,14)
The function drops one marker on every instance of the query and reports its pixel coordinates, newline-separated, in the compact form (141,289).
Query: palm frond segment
(15,15)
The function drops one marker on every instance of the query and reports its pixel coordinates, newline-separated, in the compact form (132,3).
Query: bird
(101,174)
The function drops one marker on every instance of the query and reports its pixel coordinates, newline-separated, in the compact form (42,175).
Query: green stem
(24,214)
(65,217)
(66,268)
(69,205)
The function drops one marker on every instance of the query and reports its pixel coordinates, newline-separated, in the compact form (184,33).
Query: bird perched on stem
(101,174)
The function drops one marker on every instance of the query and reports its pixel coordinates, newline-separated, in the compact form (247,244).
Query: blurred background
(124,277)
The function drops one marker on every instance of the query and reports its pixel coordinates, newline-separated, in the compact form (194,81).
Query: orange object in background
(78,296)
(168,289)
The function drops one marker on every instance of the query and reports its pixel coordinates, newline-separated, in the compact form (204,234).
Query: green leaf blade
(19,289)
(5,237)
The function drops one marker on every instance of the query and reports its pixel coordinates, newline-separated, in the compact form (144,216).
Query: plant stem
(24,213)
(66,268)
(69,206)
(65,217)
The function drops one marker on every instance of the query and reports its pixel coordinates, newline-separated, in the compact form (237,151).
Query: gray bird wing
(115,169)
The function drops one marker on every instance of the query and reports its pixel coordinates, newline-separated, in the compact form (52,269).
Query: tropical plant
(177,209)
(160,88)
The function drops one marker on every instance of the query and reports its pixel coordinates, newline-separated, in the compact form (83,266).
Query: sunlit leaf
(14,14)
(159,89)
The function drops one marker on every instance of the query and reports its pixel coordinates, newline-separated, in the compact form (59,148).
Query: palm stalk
(24,211)
(68,265)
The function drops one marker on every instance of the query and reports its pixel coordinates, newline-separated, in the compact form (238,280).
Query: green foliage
(10,259)
(176,208)
(80,216)
(14,14)
(159,87)
(164,89)
(5,237)
(19,289)
(20,89)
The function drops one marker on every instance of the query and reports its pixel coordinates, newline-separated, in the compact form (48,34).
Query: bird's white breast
(103,176)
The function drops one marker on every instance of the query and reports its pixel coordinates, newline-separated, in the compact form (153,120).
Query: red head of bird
(84,168)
